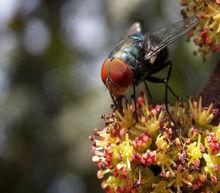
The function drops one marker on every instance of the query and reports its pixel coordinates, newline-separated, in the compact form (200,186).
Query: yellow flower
(141,150)
(194,151)
(212,164)
(150,121)
(207,33)
(161,143)
(165,161)
(201,116)
(181,178)
(122,154)
(217,132)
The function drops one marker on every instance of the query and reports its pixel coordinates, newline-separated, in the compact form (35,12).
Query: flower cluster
(207,33)
(143,151)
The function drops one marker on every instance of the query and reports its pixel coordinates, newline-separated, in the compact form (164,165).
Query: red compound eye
(105,70)
(116,75)
(120,73)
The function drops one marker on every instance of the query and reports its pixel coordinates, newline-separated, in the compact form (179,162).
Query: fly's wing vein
(166,36)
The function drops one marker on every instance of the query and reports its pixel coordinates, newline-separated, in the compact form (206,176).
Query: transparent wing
(166,36)
(134,29)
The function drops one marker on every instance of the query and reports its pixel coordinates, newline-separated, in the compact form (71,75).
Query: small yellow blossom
(181,178)
(180,115)
(161,143)
(127,120)
(165,161)
(212,164)
(124,151)
(201,116)
(147,178)
(152,123)
(217,132)
(194,151)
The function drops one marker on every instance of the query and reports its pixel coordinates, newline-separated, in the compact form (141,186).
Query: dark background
(51,95)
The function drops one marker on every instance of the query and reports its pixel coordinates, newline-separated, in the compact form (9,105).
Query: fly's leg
(167,87)
(134,96)
(148,91)
(164,81)
(169,64)
(117,103)
(134,99)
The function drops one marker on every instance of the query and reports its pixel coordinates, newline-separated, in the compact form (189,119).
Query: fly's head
(116,75)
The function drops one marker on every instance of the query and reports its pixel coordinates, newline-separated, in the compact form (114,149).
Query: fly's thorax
(142,71)
(129,50)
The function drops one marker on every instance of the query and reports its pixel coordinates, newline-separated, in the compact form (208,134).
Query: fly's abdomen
(129,50)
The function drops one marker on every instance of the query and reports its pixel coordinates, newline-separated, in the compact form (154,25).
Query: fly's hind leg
(169,65)
(163,81)
(148,91)
(167,87)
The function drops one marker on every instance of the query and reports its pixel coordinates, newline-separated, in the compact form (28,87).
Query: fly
(138,57)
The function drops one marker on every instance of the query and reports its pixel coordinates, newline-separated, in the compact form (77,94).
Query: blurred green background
(51,95)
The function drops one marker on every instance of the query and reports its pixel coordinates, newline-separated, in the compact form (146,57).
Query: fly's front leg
(117,102)
(134,94)
(134,99)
